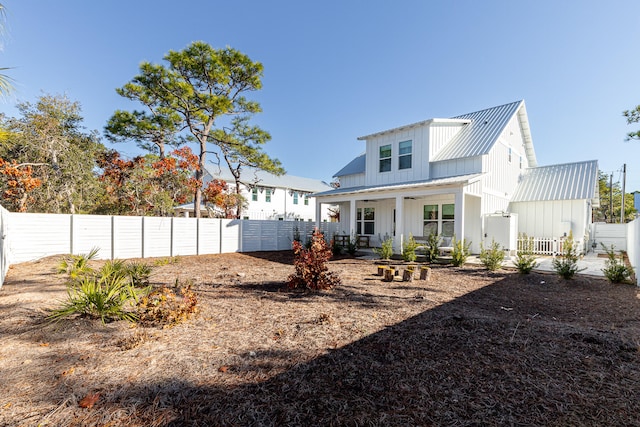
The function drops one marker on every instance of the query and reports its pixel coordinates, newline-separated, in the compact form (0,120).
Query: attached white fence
(30,236)
(541,245)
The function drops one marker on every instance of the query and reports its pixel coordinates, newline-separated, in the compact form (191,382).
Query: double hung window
(365,221)
(385,158)
(404,155)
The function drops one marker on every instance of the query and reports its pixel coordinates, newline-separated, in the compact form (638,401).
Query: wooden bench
(344,239)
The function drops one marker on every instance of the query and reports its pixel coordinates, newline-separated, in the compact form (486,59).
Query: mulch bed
(466,348)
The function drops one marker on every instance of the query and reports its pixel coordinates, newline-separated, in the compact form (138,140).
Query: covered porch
(446,207)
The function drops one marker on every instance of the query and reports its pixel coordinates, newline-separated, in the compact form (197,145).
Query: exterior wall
(633,246)
(420,157)
(440,134)
(503,174)
(552,218)
(473,222)
(355,180)
(282,207)
(492,203)
(455,167)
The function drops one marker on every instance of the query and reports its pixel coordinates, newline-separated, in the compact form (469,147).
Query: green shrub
(409,249)
(352,245)
(460,252)
(566,264)
(336,248)
(616,271)
(138,273)
(103,297)
(525,259)
(492,258)
(433,247)
(385,251)
(77,266)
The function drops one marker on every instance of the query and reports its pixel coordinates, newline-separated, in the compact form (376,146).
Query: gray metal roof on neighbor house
(451,180)
(568,181)
(250,176)
(483,130)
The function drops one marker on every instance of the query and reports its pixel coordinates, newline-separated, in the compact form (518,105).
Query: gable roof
(568,181)
(483,130)
(252,176)
(480,131)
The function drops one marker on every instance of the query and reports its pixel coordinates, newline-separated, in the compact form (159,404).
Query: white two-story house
(269,197)
(452,176)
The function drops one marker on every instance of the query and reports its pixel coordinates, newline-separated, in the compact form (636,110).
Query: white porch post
(318,213)
(352,217)
(458,225)
(397,241)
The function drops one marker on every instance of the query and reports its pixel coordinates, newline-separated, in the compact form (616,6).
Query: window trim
(295,197)
(402,155)
(267,195)
(386,159)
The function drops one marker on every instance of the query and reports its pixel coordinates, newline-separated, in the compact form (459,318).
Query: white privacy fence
(633,246)
(30,236)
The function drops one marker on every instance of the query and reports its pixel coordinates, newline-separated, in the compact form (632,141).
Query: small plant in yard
(77,265)
(167,306)
(311,271)
(615,270)
(492,258)
(460,252)
(385,251)
(352,245)
(566,264)
(138,273)
(525,259)
(409,249)
(433,247)
(103,297)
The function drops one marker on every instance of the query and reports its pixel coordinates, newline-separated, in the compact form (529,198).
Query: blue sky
(336,70)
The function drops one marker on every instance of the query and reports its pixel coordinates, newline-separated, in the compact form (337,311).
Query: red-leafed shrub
(311,269)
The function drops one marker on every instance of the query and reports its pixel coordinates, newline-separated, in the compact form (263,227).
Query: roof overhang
(525,128)
(454,181)
(415,125)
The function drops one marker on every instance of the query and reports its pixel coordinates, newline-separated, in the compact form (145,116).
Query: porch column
(318,213)
(352,217)
(399,237)
(458,225)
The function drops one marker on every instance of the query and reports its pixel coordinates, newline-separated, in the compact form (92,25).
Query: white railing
(541,245)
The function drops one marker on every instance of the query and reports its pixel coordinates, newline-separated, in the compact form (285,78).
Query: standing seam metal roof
(568,181)
(478,137)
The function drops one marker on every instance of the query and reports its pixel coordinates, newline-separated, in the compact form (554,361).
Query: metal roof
(569,181)
(251,176)
(452,180)
(483,130)
(357,165)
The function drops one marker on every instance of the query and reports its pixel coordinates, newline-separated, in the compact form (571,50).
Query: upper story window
(404,155)
(509,154)
(385,158)
(295,198)
(306,200)
(254,194)
(267,195)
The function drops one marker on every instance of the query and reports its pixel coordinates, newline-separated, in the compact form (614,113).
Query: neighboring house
(285,197)
(636,200)
(473,176)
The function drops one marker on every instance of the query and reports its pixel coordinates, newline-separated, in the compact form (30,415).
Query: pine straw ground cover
(468,347)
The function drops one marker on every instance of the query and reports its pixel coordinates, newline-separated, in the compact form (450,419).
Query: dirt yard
(466,348)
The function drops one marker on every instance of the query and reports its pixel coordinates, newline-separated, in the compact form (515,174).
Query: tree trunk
(197,198)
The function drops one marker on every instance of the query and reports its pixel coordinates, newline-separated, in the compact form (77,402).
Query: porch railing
(541,245)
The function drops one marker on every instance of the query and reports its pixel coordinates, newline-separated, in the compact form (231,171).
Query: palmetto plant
(103,297)
(77,266)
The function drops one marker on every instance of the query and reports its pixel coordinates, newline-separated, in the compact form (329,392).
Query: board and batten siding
(419,162)
(456,167)
(440,134)
(355,180)
(552,218)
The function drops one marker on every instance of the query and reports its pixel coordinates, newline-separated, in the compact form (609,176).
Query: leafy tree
(201,85)
(604,213)
(48,138)
(633,116)
(218,194)
(18,185)
(147,185)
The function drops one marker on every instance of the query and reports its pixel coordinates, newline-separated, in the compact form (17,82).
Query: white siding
(420,157)
(504,174)
(355,180)
(456,167)
(439,135)
(550,219)
(473,222)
